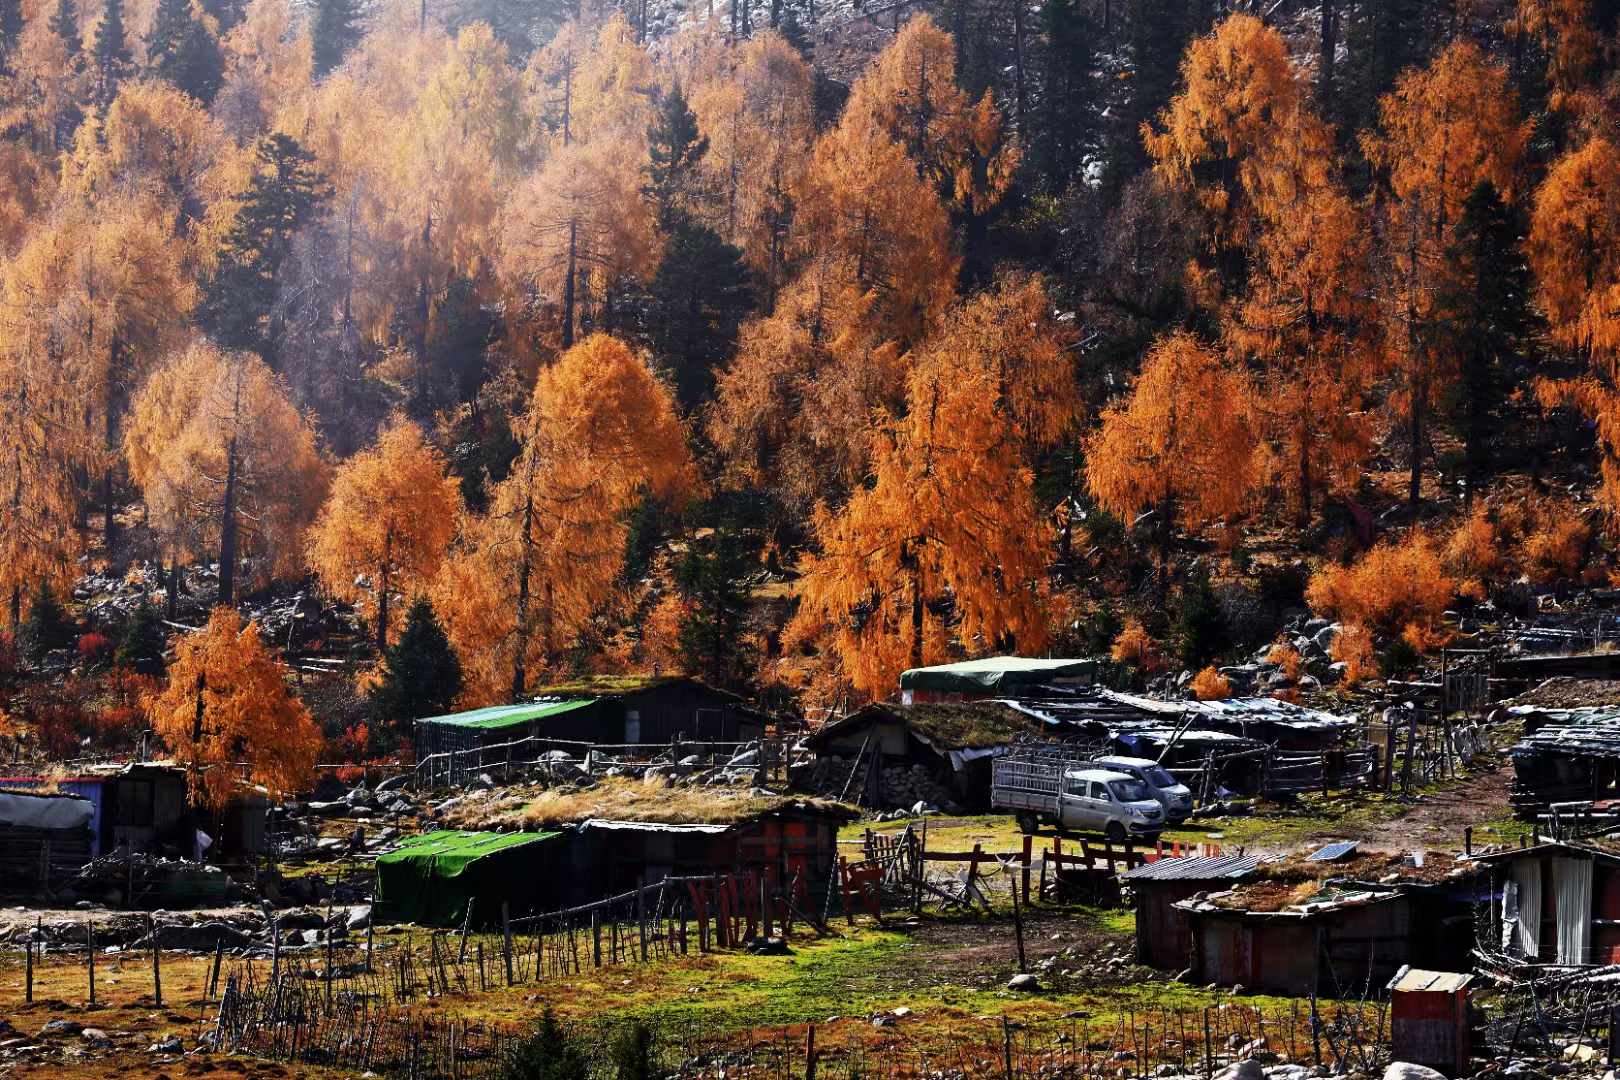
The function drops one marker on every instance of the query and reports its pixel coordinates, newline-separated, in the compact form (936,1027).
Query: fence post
(157,969)
(506,935)
(810,1053)
(1018,927)
(28,978)
(1006,1045)
(90,956)
(1029,845)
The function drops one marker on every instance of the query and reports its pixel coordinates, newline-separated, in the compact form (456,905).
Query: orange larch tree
(1239,99)
(1574,249)
(385,526)
(226,701)
(1182,443)
(948,546)
(226,464)
(910,94)
(1443,130)
(525,579)
(1307,315)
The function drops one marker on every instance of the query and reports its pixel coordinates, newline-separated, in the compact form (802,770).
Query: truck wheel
(1115,832)
(1028,824)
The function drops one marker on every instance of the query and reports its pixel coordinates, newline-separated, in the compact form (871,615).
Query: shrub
(1354,648)
(94,647)
(631,1053)
(547,1052)
(1210,685)
(1474,552)
(1396,584)
(1555,548)
(1135,646)
(1286,657)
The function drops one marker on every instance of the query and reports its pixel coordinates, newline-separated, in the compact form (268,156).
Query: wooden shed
(1163,934)
(873,753)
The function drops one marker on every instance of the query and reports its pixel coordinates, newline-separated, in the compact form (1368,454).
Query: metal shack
(1429,1019)
(44,840)
(1163,935)
(1342,926)
(1556,902)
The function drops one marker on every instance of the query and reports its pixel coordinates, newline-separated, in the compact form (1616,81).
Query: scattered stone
(1024,983)
(1405,1070)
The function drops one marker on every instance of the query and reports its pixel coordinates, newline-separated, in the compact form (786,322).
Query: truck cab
(1171,794)
(1108,801)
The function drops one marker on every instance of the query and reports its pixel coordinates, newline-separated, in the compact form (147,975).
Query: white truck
(1075,795)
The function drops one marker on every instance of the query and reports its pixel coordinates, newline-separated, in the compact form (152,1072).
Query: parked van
(1080,799)
(1174,796)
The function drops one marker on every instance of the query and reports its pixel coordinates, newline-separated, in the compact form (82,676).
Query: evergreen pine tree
(421,673)
(181,50)
(675,146)
(112,55)
(336,31)
(11,28)
(47,627)
(1064,123)
(793,32)
(1156,37)
(1197,629)
(546,1053)
(1491,311)
(64,23)
(700,296)
(286,194)
(712,576)
(1383,38)
(140,646)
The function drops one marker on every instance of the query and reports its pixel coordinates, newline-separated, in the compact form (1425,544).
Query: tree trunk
(382,593)
(171,605)
(520,658)
(916,608)
(1019,94)
(568,283)
(1330,48)
(110,442)
(1304,518)
(1419,407)
(227,530)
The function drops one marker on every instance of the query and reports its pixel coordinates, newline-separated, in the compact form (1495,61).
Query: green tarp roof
(431,878)
(994,673)
(505,716)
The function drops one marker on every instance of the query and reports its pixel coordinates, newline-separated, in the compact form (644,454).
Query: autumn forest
(784,344)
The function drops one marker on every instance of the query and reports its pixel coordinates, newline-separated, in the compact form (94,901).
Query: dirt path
(1437,821)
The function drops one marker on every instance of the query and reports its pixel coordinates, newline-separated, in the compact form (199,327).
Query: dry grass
(625,799)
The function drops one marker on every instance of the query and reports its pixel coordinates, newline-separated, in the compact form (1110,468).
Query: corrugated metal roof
(496,717)
(1442,982)
(1211,868)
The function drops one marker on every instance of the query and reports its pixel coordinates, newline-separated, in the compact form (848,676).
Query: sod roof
(654,802)
(968,725)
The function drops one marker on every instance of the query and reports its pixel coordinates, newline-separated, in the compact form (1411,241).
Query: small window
(1075,788)
(1098,791)
(632,726)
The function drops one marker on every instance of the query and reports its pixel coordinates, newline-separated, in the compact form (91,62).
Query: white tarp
(1572,891)
(1527,875)
(45,811)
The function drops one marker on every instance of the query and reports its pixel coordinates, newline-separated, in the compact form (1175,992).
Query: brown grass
(625,799)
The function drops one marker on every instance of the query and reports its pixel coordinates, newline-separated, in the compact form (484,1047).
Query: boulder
(1405,1070)
(1242,1070)
(1024,983)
